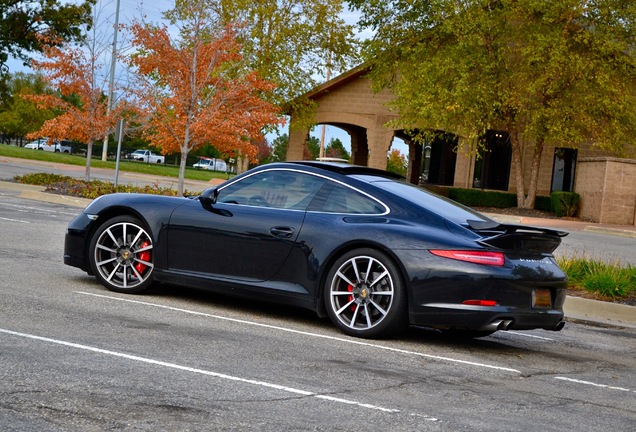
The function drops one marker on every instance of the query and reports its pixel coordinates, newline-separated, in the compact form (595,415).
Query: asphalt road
(76,357)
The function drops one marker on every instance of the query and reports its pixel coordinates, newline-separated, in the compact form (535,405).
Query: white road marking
(14,220)
(595,384)
(199,371)
(528,335)
(353,342)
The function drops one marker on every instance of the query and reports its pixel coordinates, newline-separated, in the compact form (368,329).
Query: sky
(152,10)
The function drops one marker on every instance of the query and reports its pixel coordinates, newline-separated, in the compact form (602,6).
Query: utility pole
(111,81)
(324,127)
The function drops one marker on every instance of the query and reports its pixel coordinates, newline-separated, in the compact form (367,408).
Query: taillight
(475,257)
(480,302)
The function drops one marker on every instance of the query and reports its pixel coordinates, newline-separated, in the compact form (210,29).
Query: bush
(543,203)
(480,198)
(67,185)
(607,280)
(565,203)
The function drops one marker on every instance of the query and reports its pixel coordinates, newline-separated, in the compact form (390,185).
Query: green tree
(292,43)
(22,23)
(19,116)
(396,162)
(336,149)
(312,149)
(279,148)
(561,72)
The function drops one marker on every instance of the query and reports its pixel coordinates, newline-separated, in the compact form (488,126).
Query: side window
(275,188)
(336,198)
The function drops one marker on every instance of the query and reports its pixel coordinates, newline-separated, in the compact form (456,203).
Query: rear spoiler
(517,237)
(481,225)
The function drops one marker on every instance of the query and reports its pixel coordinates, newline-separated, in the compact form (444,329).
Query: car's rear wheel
(365,296)
(121,255)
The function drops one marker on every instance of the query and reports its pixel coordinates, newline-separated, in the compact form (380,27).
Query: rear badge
(541,299)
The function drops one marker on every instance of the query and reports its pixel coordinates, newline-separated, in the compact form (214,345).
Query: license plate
(541,299)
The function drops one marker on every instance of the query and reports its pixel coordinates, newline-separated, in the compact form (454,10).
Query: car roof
(347,169)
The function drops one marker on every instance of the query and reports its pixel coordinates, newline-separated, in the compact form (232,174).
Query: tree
(312,149)
(335,149)
(23,23)
(396,162)
(549,73)
(18,116)
(293,43)
(279,148)
(264,151)
(196,88)
(79,98)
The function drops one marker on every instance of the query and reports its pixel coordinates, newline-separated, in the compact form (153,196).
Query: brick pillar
(297,139)
(415,163)
(379,144)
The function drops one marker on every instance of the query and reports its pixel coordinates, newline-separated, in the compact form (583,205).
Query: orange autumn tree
(78,97)
(196,89)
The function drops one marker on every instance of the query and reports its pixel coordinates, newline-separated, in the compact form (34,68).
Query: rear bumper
(453,316)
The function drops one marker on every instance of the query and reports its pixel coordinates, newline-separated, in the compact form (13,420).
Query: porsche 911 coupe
(356,244)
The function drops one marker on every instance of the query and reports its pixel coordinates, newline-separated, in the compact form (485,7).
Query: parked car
(147,156)
(357,244)
(63,146)
(211,164)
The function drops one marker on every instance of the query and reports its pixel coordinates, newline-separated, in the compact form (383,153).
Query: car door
(250,230)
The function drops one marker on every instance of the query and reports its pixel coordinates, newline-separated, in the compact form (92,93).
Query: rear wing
(517,237)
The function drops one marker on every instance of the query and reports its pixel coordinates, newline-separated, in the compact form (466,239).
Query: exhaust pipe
(504,325)
(559,326)
(497,325)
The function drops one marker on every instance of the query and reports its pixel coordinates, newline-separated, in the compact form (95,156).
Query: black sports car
(372,252)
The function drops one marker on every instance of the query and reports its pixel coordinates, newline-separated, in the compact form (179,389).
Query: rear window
(434,203)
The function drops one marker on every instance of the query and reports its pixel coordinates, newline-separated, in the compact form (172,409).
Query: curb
(578,309)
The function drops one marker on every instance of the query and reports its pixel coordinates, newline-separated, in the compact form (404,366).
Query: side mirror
(208,197)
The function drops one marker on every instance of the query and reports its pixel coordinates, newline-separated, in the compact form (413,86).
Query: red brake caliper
(144,256)
(350,298)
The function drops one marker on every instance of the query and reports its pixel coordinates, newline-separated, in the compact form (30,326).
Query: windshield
(434,203)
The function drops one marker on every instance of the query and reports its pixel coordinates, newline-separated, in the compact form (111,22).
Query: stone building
(607,185)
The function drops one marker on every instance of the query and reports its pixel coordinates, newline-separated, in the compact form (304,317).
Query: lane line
(15,220)
(147,360)
(528,335)
(595,384)
(348,341)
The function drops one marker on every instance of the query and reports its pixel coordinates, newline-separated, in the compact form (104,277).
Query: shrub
(565,203)
(480,198)
(608,280)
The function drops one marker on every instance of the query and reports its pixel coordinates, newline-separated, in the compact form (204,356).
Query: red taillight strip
(480,302)
(475,257)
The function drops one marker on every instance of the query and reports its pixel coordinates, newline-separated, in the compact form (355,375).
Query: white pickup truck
(147,156)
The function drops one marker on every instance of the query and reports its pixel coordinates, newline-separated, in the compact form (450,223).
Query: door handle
(282,232)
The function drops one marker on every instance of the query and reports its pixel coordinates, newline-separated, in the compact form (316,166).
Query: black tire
(365,296)
(121,255)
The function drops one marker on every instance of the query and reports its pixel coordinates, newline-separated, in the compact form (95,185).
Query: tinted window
(437,204)
(274,188)
(337,198)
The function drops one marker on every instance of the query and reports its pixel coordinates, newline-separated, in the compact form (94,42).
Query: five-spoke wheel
(365,295)
(121,254)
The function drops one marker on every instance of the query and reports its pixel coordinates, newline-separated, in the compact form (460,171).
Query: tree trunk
(528,203)
(89,155)
(517,167)
(182,167)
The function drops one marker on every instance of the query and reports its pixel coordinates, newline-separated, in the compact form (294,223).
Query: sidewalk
(576,309)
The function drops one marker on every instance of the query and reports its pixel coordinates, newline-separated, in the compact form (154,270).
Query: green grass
(124,165)
(608,281)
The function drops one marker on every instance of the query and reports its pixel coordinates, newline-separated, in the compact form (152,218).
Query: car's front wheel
(121,255)
(365,296)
